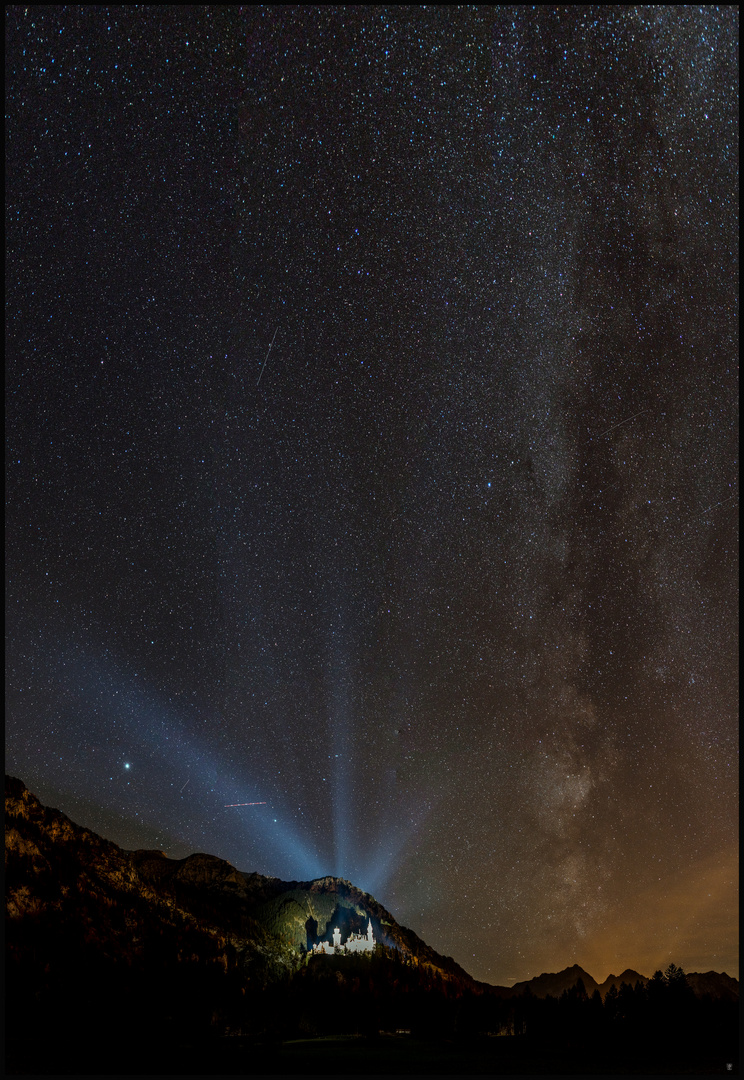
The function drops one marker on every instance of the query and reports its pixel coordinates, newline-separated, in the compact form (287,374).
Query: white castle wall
(354,943)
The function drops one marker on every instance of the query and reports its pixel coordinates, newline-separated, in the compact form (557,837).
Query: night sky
(372,456)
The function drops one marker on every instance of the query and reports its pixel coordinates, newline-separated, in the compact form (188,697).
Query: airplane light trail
(244,804)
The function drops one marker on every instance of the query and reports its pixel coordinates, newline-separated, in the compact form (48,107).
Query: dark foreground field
(384,1055)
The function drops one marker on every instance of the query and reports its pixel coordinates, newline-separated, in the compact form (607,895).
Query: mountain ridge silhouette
(271,923)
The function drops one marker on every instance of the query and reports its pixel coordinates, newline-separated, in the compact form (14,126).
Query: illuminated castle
(353,943)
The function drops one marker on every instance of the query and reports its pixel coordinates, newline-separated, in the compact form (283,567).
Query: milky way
(372,458)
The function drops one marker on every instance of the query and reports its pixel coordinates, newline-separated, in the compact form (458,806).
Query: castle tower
(370,939)
(337,938)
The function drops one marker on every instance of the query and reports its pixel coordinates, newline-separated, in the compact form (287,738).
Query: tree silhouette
(611,1003)
(676,980)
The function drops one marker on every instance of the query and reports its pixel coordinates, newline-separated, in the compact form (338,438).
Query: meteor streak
(722,503)
(259,380)
(244,804)
(626,421)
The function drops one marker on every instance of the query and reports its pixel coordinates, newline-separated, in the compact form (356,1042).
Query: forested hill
(60,873)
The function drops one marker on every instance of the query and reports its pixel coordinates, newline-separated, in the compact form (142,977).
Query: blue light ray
(151,739)
(377,872)
(341,744)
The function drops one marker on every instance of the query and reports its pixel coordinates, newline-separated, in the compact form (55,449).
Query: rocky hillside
(304,913)
(57,869)
(716,984)
(62,877)
(188,943)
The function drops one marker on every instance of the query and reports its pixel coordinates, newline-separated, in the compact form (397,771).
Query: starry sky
(372,457)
